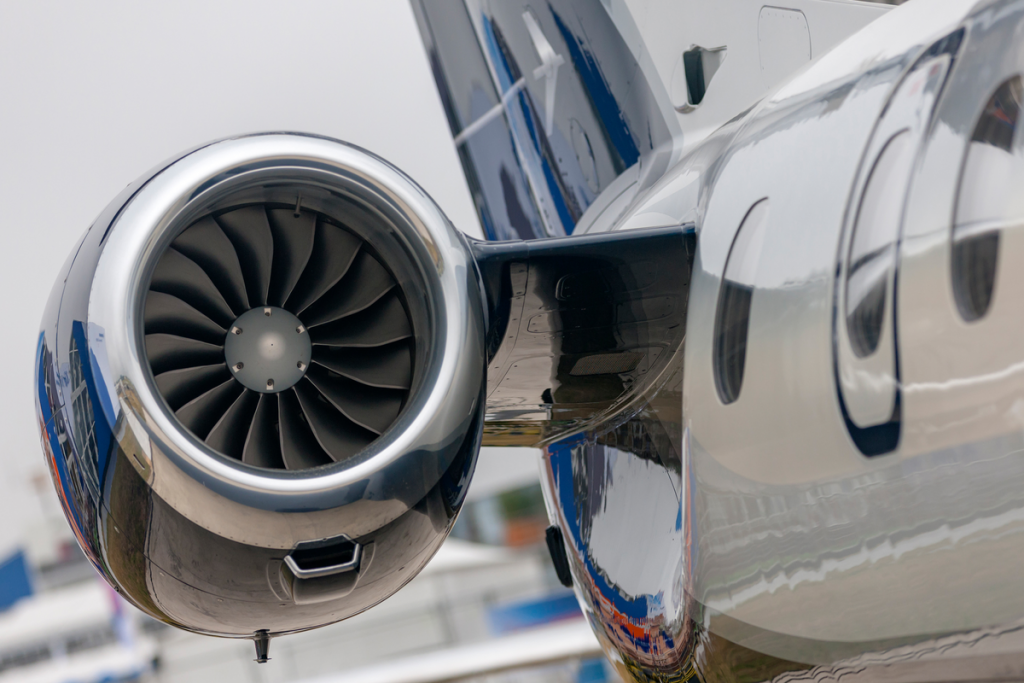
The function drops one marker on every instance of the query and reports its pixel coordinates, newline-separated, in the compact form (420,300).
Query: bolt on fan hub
(268,349)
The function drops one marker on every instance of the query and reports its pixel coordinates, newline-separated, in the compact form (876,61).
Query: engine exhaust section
(260,385)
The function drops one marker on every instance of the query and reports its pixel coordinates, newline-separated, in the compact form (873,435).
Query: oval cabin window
(873,245)
(991,185)
(734,299)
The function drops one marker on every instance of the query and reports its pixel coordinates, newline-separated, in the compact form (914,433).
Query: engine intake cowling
(260,383)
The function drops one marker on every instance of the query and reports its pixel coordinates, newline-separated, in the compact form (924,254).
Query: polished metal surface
(553,117)
(197,539)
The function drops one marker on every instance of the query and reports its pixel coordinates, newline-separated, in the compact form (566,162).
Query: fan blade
(229,434)
(299,448)
(369,407)
(333,251)
(387,367)
(206,244)
(339,438)
(178,387)
(249,231)
(383,323)
(180,276)
(169,314)
(200,414)
(263,446)
(293,245)
(170,352)
(364,283)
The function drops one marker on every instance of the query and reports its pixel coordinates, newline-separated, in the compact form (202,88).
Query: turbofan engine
(260,381)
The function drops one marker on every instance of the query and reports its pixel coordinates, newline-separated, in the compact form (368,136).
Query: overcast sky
(93,94)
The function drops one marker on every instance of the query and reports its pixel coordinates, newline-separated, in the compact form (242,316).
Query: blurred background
(91,96)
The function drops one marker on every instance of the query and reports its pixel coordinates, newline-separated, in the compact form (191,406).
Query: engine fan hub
(268,349)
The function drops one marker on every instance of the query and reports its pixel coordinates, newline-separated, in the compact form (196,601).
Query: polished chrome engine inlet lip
(453,364)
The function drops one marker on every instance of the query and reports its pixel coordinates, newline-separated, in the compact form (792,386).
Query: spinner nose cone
(268,349)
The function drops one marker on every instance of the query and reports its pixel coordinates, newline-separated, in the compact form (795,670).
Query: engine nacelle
(259,384)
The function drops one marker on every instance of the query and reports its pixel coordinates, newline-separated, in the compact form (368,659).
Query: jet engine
(260,385)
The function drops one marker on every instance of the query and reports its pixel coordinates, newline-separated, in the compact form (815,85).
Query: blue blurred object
(129,678)
(15,582)
(532,613)
(592,671)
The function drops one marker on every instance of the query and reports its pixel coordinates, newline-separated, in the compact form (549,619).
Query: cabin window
(990,182)
(734,301)
(872,254)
